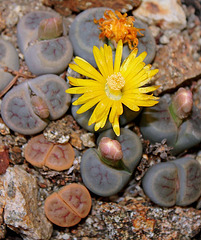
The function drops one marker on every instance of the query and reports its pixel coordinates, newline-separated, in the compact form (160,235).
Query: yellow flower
(113,86)
(116,26)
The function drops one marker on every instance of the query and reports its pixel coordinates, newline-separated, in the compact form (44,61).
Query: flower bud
(50,28)
(110,149)
(181,106)
(40,107)
(183,102)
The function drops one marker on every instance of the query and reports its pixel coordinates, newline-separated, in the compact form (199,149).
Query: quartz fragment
(167,14)
(21,212)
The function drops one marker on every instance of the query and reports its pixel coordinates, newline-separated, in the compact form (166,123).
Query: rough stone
(135,218)
(2,205)
(66,7)
(176,64)
(21,212)
(167,14)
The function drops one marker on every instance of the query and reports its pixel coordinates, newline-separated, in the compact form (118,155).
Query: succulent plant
(40,152)
(107,175)
(21,116)
(174,182)
(43,40)
(8,58)
(84,34)
(67,207)
(174,119)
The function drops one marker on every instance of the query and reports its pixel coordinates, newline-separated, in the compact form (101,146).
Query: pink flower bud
(110,149)
(40,106)
(50,28)
(182,103)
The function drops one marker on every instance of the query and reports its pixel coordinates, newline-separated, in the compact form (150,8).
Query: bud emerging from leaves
(40,106)
(50,28)
(110,149)
(181,106)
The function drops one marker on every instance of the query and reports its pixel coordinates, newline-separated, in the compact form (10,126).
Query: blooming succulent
(116,26)
(175,119)
(106,170)
(113,86)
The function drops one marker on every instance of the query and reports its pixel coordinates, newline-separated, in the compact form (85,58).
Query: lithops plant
(174,182)
(67,207)
(8,58)
(42,38)
(84,34)
(40,152)
(106,170)
(174,119)
(25,107)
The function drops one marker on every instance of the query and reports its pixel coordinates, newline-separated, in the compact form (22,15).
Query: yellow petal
(83,82)
(88,96)
(136,81)
(113,112)
(150,74)
(140,96)
(100,110)
(86,69)
(118,56)
(127,61)
(133,67)
(115,126)
(130,104)
(88,105)
(134,72)
(146,103)
(100,61)
(76,90)
(148,89)
(109,58)
(102,121)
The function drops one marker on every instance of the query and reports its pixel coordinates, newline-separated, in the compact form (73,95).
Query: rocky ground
(130,214)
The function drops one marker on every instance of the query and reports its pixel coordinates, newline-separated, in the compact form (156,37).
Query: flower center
(115,81)
(114,84)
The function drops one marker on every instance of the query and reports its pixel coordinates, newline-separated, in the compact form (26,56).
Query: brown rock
(21,212)
(66,7)
(4,159)
(2,205)
(176,64)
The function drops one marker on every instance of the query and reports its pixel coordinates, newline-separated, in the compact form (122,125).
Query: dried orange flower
(118,27)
